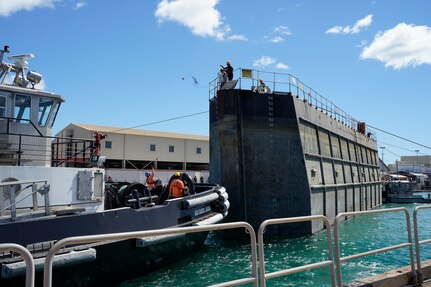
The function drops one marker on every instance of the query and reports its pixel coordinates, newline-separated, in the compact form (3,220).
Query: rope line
(161,121)
(400,137)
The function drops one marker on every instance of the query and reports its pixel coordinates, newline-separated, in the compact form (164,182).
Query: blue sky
(131,63)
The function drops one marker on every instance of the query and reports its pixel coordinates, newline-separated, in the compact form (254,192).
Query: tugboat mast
(18,67)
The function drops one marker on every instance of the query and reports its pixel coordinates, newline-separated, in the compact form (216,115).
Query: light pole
(417,152)
(382,147)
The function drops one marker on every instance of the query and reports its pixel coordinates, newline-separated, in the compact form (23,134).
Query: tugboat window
(198,150)
(45,106)
(22,108)
(171,148)
(54,113)
(152,147)
(2,106)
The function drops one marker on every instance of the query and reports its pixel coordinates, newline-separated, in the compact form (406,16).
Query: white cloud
(282,66)
(277,39)
(403,46)
(8,7)
(237,37)
(284,30)
(359,25)
(263,61)
(266,61)
(80,4)
(200,16)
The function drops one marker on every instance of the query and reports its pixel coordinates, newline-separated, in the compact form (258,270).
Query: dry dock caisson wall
(280,156)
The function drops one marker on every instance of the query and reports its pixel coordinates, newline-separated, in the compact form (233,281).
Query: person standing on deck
(222,78)
(177,188)
(150,179)
(229,70)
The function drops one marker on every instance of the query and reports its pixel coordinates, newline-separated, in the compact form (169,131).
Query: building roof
(138,132)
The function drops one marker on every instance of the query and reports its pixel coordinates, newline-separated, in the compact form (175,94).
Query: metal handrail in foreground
(417,242)
(28,259)
(275,274)
(47,276)
(339,259)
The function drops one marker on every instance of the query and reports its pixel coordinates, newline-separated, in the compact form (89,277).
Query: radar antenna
(19,67)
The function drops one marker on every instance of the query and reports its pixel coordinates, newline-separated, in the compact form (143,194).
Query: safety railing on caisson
(287,83)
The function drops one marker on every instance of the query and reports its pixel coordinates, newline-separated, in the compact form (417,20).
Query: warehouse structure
(140,149)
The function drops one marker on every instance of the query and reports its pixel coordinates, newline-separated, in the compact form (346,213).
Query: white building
(135,149)
(415,163)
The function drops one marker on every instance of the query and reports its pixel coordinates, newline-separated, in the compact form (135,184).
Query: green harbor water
(223,260)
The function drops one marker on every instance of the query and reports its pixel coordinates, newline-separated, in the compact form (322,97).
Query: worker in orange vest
(150,179)
(177,187)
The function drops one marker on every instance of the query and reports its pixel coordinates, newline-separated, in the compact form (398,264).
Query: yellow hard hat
(228,63)
(177,174)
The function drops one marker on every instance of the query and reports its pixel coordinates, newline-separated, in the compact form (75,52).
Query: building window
(198,150)
(108,144)
(152,147)
(171,148)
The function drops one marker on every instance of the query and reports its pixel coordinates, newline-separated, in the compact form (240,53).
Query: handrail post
(19,150)
(11,190)
(28,259)
(261,252)
(417,242)
(409,244)
(34,196)
(46,189)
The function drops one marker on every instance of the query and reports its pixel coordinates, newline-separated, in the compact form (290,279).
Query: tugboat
(400,189)
(54,188)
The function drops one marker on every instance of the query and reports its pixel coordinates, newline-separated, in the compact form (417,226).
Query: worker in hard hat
(150,179)
(262,88)
(229,70)
(177,187)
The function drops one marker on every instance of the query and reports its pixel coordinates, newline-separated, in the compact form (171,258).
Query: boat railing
(9,121)
(287,83)
(47,274)
(419,242)
(21,149)
(12,188)
(26,256)
(330,262)
(408,244)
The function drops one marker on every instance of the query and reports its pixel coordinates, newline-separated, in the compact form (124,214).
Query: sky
(141,63)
